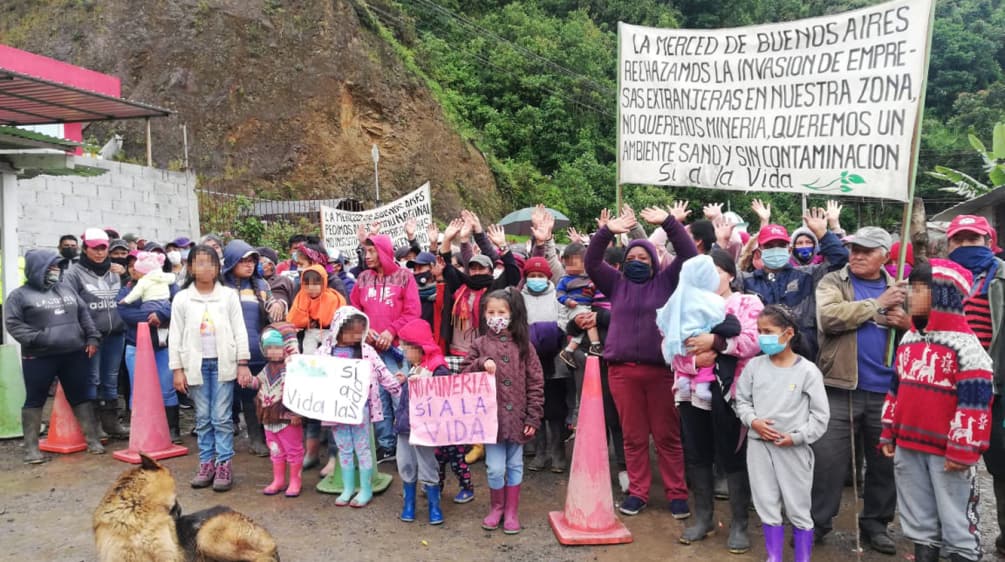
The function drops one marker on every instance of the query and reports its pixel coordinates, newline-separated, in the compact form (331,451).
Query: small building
(991,206)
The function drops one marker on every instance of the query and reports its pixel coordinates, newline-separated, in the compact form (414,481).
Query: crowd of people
(758,366)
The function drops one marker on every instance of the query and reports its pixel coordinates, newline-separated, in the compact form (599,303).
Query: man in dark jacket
(57,337)
(282,287)
(781,283)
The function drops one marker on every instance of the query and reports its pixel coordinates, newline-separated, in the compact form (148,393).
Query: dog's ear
(147,463)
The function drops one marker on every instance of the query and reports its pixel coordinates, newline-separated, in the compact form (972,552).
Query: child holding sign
(505,352)
(418,462)
(284,432)
(345,340)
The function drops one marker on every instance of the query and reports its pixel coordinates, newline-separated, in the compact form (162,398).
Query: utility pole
(375,154)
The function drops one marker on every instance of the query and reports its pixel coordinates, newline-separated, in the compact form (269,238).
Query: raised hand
(657,216)
(410,227)
(542,222)
(712,211)
(374,228)
(679,211)
(451,232)
(605,217)
(574,236)
(433,233)
(628,212)
(762,211)
(834,214)
(473,220)
(816,221)
(625,222)
(497,235)
(361,233)
(466,228)
(538,214)
(723,230)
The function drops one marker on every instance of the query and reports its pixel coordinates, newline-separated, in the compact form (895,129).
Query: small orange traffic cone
(64,435)
(148,430)
(589,503)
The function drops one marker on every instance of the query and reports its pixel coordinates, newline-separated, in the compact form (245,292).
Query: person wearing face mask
(58,338)
(971,242)
(118,254)
(779,282)
(68,250)
(421,267)
(337,262)
(177,255)
(805,248)
(98,286)
(640,380)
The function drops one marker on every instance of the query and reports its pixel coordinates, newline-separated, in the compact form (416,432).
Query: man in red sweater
(937,416)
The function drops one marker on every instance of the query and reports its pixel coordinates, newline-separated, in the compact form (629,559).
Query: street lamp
(375,154)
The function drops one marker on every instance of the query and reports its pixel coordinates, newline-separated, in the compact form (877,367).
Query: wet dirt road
(45,514)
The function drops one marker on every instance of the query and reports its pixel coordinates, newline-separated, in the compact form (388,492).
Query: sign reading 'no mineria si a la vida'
(819,106)
(452,410)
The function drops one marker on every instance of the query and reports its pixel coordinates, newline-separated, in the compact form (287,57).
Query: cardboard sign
(339,227)
(825,105)
(453,410)
(327,388)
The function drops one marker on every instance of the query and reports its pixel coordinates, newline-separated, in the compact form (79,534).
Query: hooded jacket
(322,309)
(418,333)
(815,258)
(280,285)
(379,373)
(254,294)
(99,292)
(270,380)
(632,336)
(48,321)
(940,401)
(389,299)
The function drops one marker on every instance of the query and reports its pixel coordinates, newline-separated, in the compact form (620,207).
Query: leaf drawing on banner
(844,182)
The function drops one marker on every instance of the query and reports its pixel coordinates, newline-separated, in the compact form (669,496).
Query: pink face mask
(497,323)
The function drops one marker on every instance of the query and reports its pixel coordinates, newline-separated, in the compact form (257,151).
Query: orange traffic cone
(64,435)
(148,429)
(589,503)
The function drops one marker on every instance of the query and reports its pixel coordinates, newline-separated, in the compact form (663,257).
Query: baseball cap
(482,260)
(969,223)
(130,237)
(118,243)
(182,242)
(401,252)
(94,237)
(771,233)
(424,258)
(872,237)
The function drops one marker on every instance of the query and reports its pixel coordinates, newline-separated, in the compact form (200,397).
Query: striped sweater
(939,403)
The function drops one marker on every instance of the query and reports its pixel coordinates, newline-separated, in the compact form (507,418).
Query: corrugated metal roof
(13,138)
(972,206)
(305,206)
(27,100)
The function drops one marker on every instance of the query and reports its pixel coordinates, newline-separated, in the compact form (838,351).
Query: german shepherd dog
(139,519)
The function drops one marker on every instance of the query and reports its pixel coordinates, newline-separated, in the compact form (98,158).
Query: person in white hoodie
(208,351)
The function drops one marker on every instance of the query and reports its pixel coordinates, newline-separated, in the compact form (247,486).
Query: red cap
(537,265)
(771,233)
(969,223)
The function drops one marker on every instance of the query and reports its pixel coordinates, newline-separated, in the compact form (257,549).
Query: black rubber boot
(31,424)
(739,501)
(89,424)
(172,418)
(108,413)
(256,433)
(557,446)
(924,553)
(542,458)
(700,481)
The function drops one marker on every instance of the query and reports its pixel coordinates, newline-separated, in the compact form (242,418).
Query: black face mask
(68,253)
(479,282)
(121,261)
(423,279)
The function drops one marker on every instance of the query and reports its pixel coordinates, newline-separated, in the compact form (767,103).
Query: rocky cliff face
(282,99)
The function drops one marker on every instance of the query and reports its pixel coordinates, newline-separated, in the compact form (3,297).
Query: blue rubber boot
(408,509)
(803,544)
(774,541)
(365,494)
(433,495)
(348,485)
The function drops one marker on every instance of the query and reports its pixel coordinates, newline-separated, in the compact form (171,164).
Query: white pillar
(8,237)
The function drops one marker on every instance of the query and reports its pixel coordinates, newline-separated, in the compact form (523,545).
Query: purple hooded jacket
(632,336)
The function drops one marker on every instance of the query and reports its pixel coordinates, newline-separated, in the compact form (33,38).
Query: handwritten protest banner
(339,227)
(824,105)
(452,410)
(327,388)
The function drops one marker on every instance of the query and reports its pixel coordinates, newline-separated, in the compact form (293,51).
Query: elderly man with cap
(283,288)
(779,282)
(971,245)
(858,309)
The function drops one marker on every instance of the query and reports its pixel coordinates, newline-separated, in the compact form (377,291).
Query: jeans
(70,368)
(384,430)
(105,368)
(213,401)
(504,464)
(164,375)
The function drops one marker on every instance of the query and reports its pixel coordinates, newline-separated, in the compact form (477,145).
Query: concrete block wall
(155,204)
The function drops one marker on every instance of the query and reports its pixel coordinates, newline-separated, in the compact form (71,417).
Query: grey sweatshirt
(793,397)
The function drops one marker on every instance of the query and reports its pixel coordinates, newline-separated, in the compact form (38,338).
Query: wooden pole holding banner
(617,132)
(891,343)
(150,154)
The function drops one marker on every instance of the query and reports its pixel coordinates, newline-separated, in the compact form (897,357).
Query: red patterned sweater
(940,400)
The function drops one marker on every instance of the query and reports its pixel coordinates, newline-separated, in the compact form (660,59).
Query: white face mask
(497,323)
(174,256)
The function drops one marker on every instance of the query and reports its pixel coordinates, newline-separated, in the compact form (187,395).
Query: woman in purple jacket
(640,380)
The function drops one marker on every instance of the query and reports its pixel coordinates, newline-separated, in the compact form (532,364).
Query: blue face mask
(804,254)
(770,345)
(775,258)
(261,271)
(537,285)
(638,272)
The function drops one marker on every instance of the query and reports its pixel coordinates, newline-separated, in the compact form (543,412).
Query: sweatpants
(354,438)
(287,444)
(72,369)
(833,454)
(938,508)
(643,395)
(781,476)
(417,463)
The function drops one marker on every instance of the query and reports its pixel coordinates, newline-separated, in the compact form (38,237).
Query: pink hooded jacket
(391,299)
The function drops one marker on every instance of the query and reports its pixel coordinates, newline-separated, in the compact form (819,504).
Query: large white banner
(820,106)
(339,227)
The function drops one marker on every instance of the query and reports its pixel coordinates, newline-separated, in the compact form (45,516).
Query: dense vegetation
(533,83)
